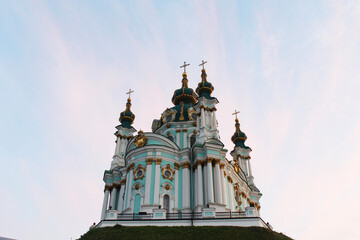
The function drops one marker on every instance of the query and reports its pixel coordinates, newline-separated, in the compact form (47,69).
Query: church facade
(178,174)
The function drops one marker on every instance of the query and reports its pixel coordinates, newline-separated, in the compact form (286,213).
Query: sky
(290,67)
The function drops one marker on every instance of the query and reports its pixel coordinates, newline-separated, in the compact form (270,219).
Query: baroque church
(178,174)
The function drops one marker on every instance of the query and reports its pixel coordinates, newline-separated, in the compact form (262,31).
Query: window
(166,202)
(192,140)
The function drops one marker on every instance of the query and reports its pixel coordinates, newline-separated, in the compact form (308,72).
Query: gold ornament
(140,139)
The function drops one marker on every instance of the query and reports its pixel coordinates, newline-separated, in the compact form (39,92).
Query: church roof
(184,94)
(127,117)
(204,88)
(239,137)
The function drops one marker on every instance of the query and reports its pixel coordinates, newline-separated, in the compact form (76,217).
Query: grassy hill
(159,233)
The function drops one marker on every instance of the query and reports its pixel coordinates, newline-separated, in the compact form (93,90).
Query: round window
(139,173)
(168,173)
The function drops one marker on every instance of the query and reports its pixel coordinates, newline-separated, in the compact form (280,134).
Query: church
(178,174)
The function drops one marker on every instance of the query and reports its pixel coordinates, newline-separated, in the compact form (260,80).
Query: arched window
(166,202)
(192,140)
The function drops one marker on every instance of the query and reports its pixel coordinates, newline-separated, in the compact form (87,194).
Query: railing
(180,215)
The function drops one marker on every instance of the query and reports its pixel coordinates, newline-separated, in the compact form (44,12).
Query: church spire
(204,88)
(127,117)
(184,94)
(239,137)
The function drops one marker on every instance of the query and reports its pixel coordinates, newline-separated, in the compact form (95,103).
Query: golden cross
(202,64)
(130,92)
(184,66)
(235,113)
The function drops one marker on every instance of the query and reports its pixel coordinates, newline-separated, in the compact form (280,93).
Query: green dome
(204,88)
(239,137)
(184,94)
(127,117)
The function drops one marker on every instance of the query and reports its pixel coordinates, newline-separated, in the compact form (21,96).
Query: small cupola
(239,137)
(127,117)
(204,88)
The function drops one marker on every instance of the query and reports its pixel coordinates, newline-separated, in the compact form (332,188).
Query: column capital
(198,163)
(184,130)
(130,167)
(178,130)
(123,181)
(158,161)
(149,161)
(222,165)
(116,185)
(108,188)
(209,159)
(186,165)
(230,179)
(177,166)
(217,161)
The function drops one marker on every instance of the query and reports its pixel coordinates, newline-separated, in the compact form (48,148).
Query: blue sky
(290,67)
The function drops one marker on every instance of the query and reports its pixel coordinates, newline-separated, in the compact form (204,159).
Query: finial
(235,113)
(202,64)
(130,92)
(184,66)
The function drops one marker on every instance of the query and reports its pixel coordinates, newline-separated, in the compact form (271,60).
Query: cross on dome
(203,63)
(235,113)
(130,92)
(184,66)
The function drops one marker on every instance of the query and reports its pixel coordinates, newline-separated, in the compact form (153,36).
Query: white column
(121,197)
(245,169)
(105,203)
(157,181)
(231,195)
(218,194)
(148,180)
(223,186)
(130,181)
(113,198)
(250,173)
(205,184)
(202,117)
(209,180)
(185,138)
(214,121)
(117,147)
(199,192)
(186,184)
(176,186)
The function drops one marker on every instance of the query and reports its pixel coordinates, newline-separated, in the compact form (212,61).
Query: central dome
(184,94)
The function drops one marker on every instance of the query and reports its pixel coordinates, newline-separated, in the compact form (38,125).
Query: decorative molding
(123,181)
(186,165)
(168,167)
(139,168)
(177,166)
(158,161)
(149,161)
(230,180)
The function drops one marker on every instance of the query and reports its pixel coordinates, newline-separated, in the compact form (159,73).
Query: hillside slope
(159,233)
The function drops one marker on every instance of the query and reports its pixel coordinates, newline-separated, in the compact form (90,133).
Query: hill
(159,233)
